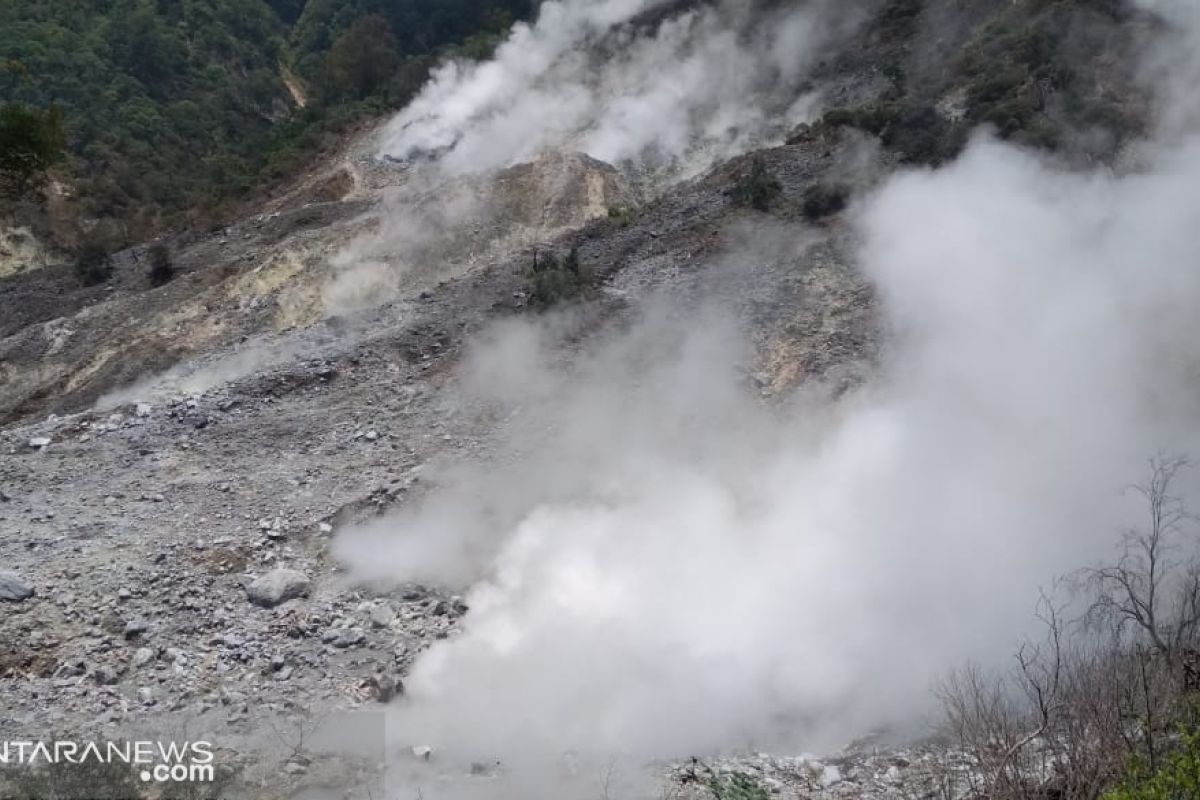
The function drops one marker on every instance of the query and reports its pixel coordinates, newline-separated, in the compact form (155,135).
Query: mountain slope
(177,107)
(580,480)
(166,107)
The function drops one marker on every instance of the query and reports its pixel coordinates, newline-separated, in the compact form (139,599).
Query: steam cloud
(663,98)
(699,87)
(664,567)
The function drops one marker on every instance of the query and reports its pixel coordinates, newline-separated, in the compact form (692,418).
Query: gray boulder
(13,589)
(349,637)
(278,586)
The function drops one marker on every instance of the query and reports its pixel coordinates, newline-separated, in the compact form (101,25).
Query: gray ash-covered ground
(140,525)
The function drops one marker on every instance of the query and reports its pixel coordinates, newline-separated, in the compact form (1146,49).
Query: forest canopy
(171,105)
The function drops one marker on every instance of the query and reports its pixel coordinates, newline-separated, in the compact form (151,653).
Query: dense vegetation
(1038,72)
(165,105)
(31,141)
(168,106)
(1178,777)
(413,29)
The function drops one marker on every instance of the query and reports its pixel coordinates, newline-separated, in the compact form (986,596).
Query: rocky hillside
(179,457)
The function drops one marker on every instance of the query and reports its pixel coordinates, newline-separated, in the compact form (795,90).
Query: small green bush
(66,781)
(916,131)
(94,780)
(551,280)
(621,215)
(737,786)
(923,136)
(874,119)
(31,141)
(758,188)
(823,200)
(162,269)
(1177,779)
(93,264)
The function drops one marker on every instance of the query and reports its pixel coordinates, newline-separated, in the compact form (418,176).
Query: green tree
(363,58)
(175,109)
(146,48)
(288,10)
(758,188)
(162,269)
(822,200)
(31,141)
(551,280)
(1177,779)
(93,263)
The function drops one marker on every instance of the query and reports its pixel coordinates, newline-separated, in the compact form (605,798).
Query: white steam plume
(700,86)
(665,568)
(663,96)
(679,570)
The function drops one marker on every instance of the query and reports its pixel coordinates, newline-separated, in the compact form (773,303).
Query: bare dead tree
(1150,589)
(1054,724)
(988,728)
(1084,700)
(605,791)
(1092,739)
(298,731)
(1039,670)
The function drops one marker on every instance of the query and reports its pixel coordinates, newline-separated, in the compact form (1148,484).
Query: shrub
(923,136)
(898,18)
(875,118)
(552,280)
(737,786)
(68,781)
(93,263)
(824,199)
(621,215)
(1178,778)
(31,141)
(162,269)
(363,58)
(1106,700)
(97,780)
(916,131)
(1028,52)
(758,188)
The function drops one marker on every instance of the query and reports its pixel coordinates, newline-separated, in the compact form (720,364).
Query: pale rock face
(433,228)
(559,191)
(20,251)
